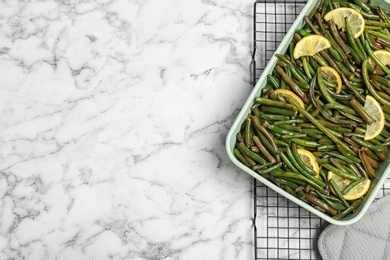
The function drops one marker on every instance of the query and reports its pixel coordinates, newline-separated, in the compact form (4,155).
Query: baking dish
(381,172)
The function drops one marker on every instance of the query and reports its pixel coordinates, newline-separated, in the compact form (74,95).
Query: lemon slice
(356,192)
(355,19)
(310,160)
(383,56)
(310,45)
(373,108)
(288,93)
(333,77)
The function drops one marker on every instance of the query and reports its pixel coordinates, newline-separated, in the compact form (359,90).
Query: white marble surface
(113,121)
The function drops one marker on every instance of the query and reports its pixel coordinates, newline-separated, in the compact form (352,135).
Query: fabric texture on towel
(367,239)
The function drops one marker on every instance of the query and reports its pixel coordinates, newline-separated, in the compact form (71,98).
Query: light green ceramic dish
(381,172)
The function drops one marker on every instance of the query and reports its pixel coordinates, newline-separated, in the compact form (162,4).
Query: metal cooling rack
(282,229)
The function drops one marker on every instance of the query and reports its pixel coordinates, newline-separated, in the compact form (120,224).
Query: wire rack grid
(282,229)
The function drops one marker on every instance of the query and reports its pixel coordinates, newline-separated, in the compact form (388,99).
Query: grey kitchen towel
(367,239)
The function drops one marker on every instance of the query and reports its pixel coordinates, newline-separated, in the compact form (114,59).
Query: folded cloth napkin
(367,239)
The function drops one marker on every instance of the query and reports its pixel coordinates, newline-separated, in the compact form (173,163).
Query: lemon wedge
(355,19)
(310,45)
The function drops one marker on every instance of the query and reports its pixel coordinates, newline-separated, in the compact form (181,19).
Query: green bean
(273,103)
(321,110)
(339,106)
(290,182)
(291,175)
(244,150)
(239,137)
(256,111)
(326,147)
(287,161)
(263,150)
(336,36)
(373,44)
(379,34)
(366,164)
(278,111)
(351,208)
(364,14)
(293,136)
(377,23)
(292,121)
(239,155)
(373,163)
(274,117)
(332,103)
(353,168)
(374,58)
(336,205)
(283,58)
(300,162)
(383,95)
(372,28)
(305,143)
(298,74)
(341,157)
(307,68)
(294,162)
(302,170)
(247,135)
(335,54)
(335,45)
(352,117)
(274,82)
(311,134)
(292,128)
(358,96)
(337,134)
(354,55)
(382,14)
(329,59)
(302,85)
(350,134)
(347,153)
(360,110)
(338,192)
(336,163)
(341,129)
(351,142)
(361,170)
(281,143)
(262,166)
(352,41)
(269,142)
(370,153)
(320,126)
(352,172)
(335,170)
(320,203)
(271,168)
(293,86)
(363,6)
(340,96)
(325,140)
(266,89)
(289,189)
(264,139)
(369,145)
